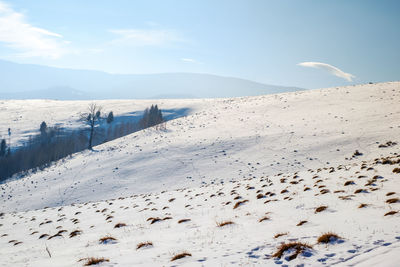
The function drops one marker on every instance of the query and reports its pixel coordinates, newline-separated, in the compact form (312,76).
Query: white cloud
(139,37)
(331,69)
(30,41)
(190,60)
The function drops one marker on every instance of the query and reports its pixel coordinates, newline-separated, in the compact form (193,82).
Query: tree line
(54,143)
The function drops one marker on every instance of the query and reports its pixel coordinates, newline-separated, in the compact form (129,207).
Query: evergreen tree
(43,132)
(3,148)
(110,117)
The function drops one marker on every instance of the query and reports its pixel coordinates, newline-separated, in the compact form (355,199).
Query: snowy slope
(274,210)
(267,150)
(223,139)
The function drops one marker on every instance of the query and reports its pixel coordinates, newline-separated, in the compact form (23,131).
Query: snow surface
(225,151)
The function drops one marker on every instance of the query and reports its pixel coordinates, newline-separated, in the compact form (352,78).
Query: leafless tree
(91,118)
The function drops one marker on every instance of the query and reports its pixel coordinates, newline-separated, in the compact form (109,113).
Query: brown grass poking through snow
(324,191)
(348,183)
(119,225)
(43,236)
(75,233)
(298,248)
(320,209)
(390,193)
(93,261)
(184,220)
(265,218)
(393,200)
(327,238)
(224,223)
(280,234)
(360,191)
(301,223)
(390,213)
(154,220)
(362,205)
(396,170)
(107,239)
(144,244)
(180,256)
(239,203)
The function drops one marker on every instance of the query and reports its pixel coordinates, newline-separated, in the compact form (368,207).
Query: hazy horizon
(308,44)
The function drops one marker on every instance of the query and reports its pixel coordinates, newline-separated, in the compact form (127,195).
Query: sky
(309,44)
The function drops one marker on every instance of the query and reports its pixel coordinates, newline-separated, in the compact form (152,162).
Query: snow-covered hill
(283,155)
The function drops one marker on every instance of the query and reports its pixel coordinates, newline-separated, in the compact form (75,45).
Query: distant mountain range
(25,81)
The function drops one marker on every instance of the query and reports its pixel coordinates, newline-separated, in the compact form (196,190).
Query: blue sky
(308,44)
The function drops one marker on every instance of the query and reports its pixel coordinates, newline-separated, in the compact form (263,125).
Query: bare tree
(91,118)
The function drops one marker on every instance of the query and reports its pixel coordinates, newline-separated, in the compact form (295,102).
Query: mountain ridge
(46,82)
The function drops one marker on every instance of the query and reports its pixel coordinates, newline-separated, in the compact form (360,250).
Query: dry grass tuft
(43,236)
(180,256)
(360,191)
(324,191)
(240,203)
(107,239)
(53,236)
(320,209)
(144,244)
(301,223)
(119,225)
(75,233)
(390,193)
(391,213)
(345,197)
(184,220)
(93,261)
(265,218)
(224,223)
(348,183)
(362,205)
(154,220)
(298,248)
(280,234)
(338,191)
(396,170)
(327,238)
(393,200)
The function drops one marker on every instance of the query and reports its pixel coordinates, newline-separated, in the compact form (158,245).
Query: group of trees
(54,143)
(152,117)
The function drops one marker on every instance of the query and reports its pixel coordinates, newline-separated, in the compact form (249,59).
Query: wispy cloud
(191,60)
(140,37)
(331,69)
(30,41)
